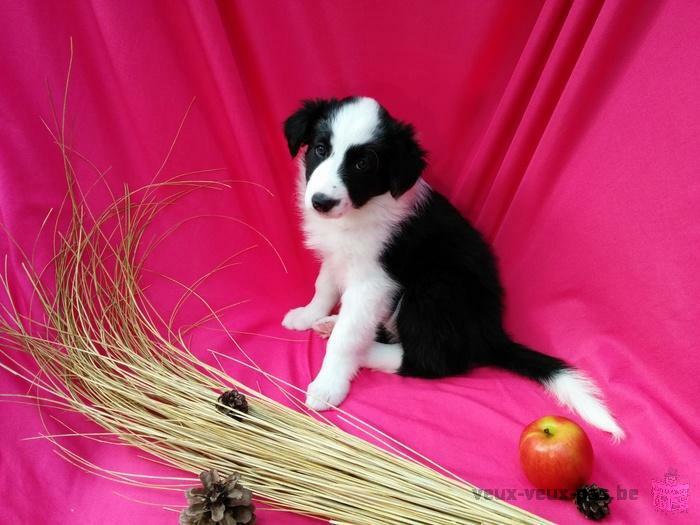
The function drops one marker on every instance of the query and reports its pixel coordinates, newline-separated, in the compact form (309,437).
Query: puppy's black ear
(299,127)
(408,160)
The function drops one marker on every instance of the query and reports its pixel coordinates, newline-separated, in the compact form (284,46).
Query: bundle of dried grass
(102,351)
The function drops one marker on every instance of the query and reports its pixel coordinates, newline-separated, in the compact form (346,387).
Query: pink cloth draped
(568,132)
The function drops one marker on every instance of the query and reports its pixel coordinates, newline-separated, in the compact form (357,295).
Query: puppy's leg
(384,357)
(325,298)
(379,356)
(363,304)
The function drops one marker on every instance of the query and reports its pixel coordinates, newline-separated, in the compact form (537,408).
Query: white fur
(352,125)
(350,242)
(573,389)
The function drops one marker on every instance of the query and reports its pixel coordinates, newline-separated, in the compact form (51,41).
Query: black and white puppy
(417,284)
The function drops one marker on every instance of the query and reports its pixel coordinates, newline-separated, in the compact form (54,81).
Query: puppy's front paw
(300,318)
(326,392)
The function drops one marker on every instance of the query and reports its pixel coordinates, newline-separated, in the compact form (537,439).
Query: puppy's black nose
(322,202)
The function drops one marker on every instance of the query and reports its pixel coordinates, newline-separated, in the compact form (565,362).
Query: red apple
(556,454)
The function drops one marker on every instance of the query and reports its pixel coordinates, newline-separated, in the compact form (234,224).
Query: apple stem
(547,431)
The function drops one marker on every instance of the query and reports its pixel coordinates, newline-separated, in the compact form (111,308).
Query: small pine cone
(235,401)
(218,502)
(593,501)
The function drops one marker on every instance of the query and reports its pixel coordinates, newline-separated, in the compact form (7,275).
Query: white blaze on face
(353,124)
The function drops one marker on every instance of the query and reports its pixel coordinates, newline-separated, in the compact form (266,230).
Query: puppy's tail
(570,386)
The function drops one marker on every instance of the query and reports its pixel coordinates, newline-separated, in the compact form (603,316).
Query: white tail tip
(573,389)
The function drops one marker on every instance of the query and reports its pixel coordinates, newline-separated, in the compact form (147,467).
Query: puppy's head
(355,151)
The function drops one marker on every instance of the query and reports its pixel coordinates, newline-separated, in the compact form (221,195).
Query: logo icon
(670,495)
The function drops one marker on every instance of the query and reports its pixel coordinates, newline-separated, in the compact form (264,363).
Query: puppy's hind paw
(324,326)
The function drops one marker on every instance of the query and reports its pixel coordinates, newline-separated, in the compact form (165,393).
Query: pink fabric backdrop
(567,131)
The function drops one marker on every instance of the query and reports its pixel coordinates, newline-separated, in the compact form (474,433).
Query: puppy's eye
(320,150)
(362,164)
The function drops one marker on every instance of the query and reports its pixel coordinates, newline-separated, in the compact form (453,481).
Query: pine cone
(218,502)
(236,403)
(593,501)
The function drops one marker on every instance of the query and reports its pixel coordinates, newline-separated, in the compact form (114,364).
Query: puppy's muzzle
(323,203)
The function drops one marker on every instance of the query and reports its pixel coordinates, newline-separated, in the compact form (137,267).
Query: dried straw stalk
(101,353)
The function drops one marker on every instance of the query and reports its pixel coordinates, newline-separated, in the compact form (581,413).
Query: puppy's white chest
(354,257)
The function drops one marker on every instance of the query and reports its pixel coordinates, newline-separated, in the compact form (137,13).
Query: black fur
(451,300)
(405,159)
(301,126)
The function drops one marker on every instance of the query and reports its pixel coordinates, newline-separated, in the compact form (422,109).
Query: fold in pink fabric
(567,131)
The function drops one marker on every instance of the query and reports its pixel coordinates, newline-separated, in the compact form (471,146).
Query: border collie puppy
(418,287)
